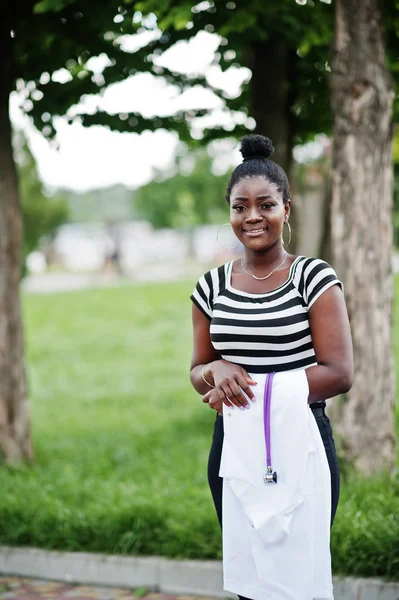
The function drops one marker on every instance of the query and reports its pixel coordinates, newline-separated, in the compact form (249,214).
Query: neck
(264,258)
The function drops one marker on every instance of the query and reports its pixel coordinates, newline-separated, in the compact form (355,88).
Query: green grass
(121,439)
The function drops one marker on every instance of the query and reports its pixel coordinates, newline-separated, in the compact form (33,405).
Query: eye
(267,205)
(238,207)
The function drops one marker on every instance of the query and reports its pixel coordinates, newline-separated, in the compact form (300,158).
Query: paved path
(65,282)
(70,282)
(22,588)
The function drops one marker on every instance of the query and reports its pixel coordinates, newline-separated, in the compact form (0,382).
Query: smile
(254,232)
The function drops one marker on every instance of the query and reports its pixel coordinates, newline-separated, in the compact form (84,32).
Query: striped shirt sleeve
(202,295)
(318,276)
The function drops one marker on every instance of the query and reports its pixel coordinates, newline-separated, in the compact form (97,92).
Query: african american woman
(271,344)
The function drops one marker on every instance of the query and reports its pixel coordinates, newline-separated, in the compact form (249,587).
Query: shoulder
(313,276)
(208,287)
(305,265)
(215,278)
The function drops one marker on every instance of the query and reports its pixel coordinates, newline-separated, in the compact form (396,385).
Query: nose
(253,215)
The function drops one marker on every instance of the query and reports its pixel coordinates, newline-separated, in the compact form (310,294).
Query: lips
(254,232)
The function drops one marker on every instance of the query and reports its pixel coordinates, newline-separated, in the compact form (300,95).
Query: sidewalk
(70,282)
(23,588)
(49,283)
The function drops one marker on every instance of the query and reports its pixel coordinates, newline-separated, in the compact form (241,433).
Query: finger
(248,378)
(227,401)
(218,407)
(238,394)
(234,394)
(223,398)
(225,395)
(206,397)
(246,388)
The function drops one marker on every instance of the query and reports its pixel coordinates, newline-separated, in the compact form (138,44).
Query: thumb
(206,397)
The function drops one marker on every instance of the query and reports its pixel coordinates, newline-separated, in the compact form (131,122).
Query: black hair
(255,150)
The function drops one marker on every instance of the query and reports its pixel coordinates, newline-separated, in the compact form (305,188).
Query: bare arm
(332,342)
(228,378)
(203,352)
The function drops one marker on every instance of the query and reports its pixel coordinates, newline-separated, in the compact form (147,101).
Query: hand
(213,400)
(230,382)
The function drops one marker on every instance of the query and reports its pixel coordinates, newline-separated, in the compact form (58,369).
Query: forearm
(327,381)
(230,382)
(198,381)
(213,369)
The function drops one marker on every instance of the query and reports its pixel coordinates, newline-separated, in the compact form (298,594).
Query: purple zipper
(270,476)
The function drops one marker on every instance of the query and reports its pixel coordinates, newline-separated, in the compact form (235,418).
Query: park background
(118,225)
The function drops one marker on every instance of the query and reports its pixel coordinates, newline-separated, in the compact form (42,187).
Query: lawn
(121,439)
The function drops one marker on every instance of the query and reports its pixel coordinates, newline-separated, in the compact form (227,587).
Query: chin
(256,243)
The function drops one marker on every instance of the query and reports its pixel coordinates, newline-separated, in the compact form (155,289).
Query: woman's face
(257,213)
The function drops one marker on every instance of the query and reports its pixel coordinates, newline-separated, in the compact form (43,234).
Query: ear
(287,210)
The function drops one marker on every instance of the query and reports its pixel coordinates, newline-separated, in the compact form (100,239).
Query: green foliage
(51,5)
(105,205)
(365,536)
(73,31)
(141,592)
(41,215)
(109,474)
(184,200)
(121,450)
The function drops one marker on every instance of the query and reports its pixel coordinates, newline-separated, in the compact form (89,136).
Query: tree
(185,199)
(14,417)
(38,39)
(286,41)
(41,215)
(284,44)
(362,94)
(396,190)
(101,205)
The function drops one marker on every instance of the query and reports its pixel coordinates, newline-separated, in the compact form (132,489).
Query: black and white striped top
(264,332)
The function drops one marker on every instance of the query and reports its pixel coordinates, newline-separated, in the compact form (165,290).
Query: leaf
(51,5)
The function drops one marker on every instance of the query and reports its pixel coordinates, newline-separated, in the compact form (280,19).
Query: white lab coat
(276,536)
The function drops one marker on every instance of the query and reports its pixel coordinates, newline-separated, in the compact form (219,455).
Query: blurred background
(163,227)
(126,118)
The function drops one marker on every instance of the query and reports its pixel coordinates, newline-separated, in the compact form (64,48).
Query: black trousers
(323,422)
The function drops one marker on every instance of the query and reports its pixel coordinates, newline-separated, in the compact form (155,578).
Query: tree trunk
(271,101)
(362,226)
(272,92)
(325,244)
(14,419)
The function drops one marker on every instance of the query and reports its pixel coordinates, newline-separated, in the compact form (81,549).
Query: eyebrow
(264,197)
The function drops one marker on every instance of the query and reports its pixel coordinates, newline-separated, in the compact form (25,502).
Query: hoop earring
(221,245)
(289,234)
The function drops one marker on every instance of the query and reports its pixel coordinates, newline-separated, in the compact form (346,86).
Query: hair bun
(256,146)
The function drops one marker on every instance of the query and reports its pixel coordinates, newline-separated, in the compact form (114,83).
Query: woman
(268,312)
